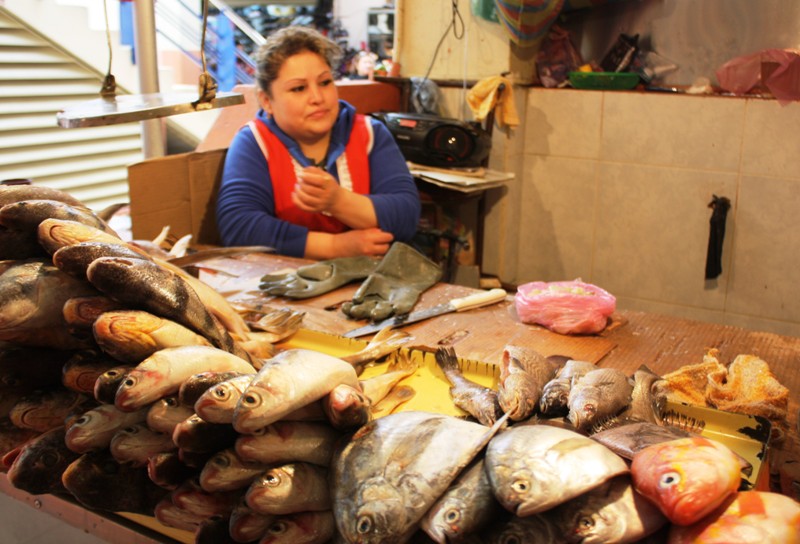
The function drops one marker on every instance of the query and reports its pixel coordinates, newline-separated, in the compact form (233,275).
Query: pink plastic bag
(565,307)
(776,69)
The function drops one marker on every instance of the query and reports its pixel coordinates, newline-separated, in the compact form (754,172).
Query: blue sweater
(246,207)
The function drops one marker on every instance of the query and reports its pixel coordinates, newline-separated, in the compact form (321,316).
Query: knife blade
(483,298)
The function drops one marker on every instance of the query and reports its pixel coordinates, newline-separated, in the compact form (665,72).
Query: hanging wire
(109,87)
(457,24)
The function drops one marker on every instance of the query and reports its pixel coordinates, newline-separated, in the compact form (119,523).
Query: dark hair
(287,42)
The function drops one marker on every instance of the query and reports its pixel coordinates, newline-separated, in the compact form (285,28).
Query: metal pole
(153,136)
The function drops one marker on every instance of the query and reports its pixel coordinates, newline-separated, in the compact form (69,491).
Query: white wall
(353,16)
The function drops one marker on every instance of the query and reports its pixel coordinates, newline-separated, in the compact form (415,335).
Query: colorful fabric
(527,21)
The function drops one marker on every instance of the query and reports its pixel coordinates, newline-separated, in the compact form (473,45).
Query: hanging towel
(482,98)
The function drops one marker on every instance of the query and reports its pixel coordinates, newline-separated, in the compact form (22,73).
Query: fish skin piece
(199,436)
(599,394)
(37,466)
(533,468)
(286,441)
(162,373)
(97,481)
(629,438)
(394,469)
(686,478)
(28,214)
(555,394)
(536,529)
(105,388)
(398,396)
(131,336)
(96,427)
(289,489)
(300,528)
(749,516)
(166,413)
(80,372)
(478,401)
(346,407)
(218,403)
(465,508)
(523,375)
(145,285)
(226,471)
(288,381)
(135,444)
(612,513)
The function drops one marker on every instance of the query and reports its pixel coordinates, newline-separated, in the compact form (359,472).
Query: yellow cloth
(482,97)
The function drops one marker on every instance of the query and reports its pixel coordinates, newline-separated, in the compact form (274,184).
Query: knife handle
(477,300)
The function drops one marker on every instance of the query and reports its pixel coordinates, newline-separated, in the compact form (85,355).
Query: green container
(604,80)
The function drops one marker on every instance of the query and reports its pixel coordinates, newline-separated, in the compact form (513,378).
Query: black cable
(456,21)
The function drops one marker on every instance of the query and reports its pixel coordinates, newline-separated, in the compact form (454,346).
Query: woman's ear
(263,101)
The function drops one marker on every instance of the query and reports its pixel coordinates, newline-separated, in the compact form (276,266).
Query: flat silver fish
(533,468)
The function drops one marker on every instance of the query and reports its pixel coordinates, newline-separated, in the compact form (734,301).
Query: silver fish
(199,436)
(346,407)
(477,400)
(105,388)
(96,427)
(192,498)
(286,441)
(599,394)
(131,336)
(166,413)
(301,528)
(289,489)
(197,384)
(612,513)
(246,525)
(465,508)
(291,379)
(167,513)
(555,395)
(535,529)
(395,468)
(533,468)
(218,403)
(226,471)
(162,373)
(135,444)
(523,375)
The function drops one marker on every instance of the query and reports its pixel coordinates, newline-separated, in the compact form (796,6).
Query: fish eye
(669,479)
(221,393)
(585,522)
(130,381)
(453,515)
(271,479)
(171,402)
(520,486)
(131,430)
(364,525)
(83,420)
(49,459)
(278,527)
(512,539)
(251,399)
(221,461)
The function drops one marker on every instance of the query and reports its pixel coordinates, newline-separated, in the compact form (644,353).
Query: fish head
(377,515)
(555,397)
(219,399)
(138,388)
(518,395)
(268,392)
(446,521)
(582,415)
(517,487)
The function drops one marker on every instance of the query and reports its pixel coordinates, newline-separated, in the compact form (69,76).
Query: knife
(483,298)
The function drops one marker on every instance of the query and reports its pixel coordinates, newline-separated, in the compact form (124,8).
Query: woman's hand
(373,242)
(316,191)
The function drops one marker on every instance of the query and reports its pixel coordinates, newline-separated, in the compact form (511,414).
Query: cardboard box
(178,191)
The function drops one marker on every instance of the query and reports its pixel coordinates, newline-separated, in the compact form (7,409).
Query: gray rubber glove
(394,286)
(318,278)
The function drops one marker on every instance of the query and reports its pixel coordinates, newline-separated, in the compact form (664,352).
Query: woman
(309,177)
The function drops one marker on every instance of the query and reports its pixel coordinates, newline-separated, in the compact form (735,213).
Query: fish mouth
(528,508)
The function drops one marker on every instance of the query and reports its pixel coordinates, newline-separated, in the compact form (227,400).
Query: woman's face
(304,101)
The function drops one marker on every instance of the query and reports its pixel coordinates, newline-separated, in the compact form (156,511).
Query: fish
(377,387)
(214,531)
(194,386)
(290,380)
(246,525)
(398,396)
(612,513)
(12,437)
(760,517)
(467,507)
(96,427)
(162,373)
(106,385)
(555,394)
(226,471)
(80,372)
(26,368)
(346,407)
(166,470)
(167,513)
(191,497)
(289,489)
(286,441)
(599,394)
(631,437)
(28,214)
(99,482)
(53,234)
(167,413)
(37,466)
(145,285)
(301,528)
(20,244)
(532,529)
(196,435)
(648,398)
(533,468)
(131,336)
(16,193)
(387,340)
(43,410)
(686,478)
(75,258)
(477,400)
(277,324)
(218,403)
(135,444)
(393,470)
(523,375)
(32,296)
(80,313)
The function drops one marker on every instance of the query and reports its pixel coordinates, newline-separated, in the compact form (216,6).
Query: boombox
(437,141)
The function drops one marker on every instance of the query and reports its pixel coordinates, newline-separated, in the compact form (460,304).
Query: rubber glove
(394,286)
(318,278)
